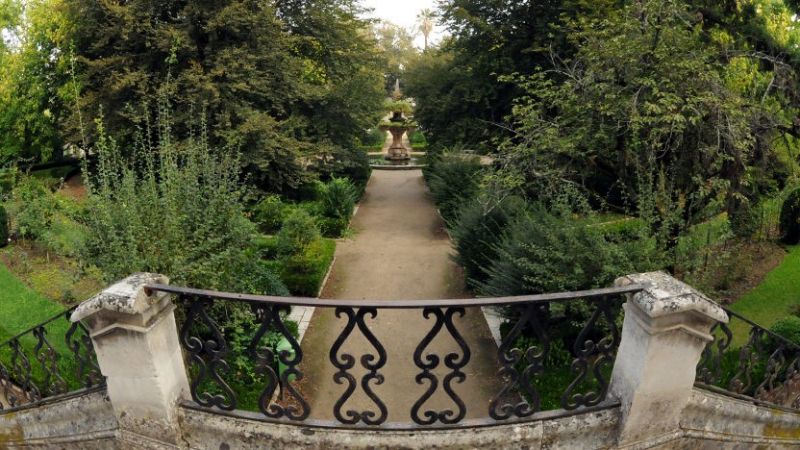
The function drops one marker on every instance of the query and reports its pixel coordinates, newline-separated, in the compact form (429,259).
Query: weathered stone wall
(592,430)
(714,421)
(710,421)
(80,422)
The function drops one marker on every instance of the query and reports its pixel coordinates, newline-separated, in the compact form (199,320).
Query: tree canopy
(275,79)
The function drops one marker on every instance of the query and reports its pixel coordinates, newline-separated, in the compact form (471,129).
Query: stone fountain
(398,125)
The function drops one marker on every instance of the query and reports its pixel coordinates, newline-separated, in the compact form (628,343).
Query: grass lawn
(770,300)
(21,307)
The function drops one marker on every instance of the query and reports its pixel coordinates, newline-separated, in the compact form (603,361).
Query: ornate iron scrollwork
(510,358)
(709,370)
(5,384)
(453,361)
(207,353)
(80,344)
(270,318)
(345,362)
(592,357)
(22,373)
(53,383)
(749,355)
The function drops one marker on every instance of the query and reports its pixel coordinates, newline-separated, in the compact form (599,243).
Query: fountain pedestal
(397,151)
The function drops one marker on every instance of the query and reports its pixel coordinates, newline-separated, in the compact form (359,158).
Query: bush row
(509,245)
(331,207)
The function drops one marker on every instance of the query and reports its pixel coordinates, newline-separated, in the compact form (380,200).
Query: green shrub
(32,208)
(374,139)
(788,328)
(624,229)
(304,273)
(173,210)
(64,236)
(332,228)
(542,252)
(266,246)
(3,226)
(746,221)
(790,219)
(337,198)
(418,140)
(299,232)
(269,213)
(453,181)
(336,162)
(8,178)
(478,230)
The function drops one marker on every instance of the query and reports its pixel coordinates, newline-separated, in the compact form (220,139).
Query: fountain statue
(398,125)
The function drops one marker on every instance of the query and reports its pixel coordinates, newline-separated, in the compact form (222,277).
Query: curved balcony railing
(556,357)
(750,362)
(50,360)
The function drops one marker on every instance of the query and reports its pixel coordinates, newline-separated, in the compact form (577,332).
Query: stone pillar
(136,341)
(665,330)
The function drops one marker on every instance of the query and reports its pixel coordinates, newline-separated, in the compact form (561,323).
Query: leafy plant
(174,210)
(335,162)
(32,208)
(790,219)
(479,229)
(403,106)
(788,328)
(299,232)
(745,221)
(303,273)
(269,213)
(453,180)
(337,198)
(544,252)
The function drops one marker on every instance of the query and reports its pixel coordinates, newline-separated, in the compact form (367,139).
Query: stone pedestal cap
(665,296)
(127,296)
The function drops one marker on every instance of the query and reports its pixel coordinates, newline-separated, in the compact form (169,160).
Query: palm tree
(427,21)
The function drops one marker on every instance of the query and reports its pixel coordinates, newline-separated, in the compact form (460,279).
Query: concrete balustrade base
(652,404)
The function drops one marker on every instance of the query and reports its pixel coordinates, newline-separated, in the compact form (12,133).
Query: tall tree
(490,39)
(33,79)
(426,22)
(651,113)
(275,78)
(396,45)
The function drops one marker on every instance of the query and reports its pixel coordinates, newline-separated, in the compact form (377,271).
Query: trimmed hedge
(304,273)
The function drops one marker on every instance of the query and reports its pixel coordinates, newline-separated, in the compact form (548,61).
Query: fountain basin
(381,162)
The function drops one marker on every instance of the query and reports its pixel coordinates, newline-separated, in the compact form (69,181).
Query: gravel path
(399,251)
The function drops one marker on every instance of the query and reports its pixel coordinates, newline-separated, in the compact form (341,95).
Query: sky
(403,13)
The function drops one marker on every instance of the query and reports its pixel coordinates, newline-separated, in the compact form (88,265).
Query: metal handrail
(767,365)
(36,374)
(40,325)
(397,304)
(769,332)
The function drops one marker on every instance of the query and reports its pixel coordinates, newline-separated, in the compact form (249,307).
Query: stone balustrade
(652,400)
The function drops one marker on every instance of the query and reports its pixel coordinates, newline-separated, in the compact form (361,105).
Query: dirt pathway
(399,251)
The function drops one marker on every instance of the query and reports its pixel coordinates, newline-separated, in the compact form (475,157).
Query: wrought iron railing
(51,359)
(583,327)
(750,362)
